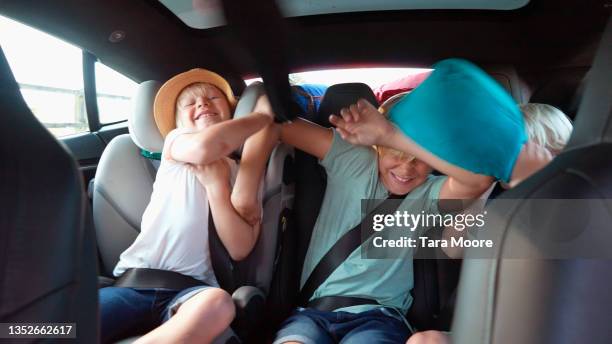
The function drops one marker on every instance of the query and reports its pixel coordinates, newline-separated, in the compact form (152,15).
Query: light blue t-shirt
(352,175)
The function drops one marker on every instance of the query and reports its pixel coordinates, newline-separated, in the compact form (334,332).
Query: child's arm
(237,236)
(216,141)
(255,154)
(308,137)
(302,134)
(363,124)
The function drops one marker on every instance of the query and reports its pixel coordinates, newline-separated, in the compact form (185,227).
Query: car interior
(72,204)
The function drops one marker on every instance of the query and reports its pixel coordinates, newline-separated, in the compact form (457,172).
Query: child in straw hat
(193,111)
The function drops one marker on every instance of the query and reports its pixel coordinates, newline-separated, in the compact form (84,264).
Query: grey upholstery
(510,81)
(143,129)
(278,195)
(542,300)
(124,180)
(47,247)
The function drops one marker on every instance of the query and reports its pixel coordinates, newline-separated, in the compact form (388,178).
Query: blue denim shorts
(126,312)
(310,326)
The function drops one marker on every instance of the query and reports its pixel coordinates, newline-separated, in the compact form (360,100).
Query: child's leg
(200,319)
(429,337)
(126,312)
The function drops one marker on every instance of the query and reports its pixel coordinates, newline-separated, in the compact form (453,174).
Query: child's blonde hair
(386,106)
(547,126)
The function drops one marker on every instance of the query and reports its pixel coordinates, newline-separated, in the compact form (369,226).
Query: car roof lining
(543,34)
(205,14)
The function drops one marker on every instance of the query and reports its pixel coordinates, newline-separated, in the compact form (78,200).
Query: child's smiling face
(201,105)
(400,172)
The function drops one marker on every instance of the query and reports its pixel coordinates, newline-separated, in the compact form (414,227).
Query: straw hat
(164,107)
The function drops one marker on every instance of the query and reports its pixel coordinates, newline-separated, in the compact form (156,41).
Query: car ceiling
(157,45)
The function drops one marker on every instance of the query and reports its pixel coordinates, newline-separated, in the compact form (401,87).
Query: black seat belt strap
(155,278)
(338,253)
(331,303)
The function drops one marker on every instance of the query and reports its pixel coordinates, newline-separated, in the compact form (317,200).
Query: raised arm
(307,136)
(363,124)
(255,154)
(216,141)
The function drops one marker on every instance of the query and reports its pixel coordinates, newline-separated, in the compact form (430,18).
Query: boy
(193,112)
(356,172)
(548,128)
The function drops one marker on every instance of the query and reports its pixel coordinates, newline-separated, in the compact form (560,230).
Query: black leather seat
(47,250)
(547,295)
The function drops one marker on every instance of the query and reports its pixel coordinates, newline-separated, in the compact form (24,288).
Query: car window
(49,72)
(114,94)
(373,77)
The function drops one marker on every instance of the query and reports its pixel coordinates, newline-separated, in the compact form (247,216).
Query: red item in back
(388,90)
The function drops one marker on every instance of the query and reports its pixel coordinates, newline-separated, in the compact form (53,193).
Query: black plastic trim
(89,85)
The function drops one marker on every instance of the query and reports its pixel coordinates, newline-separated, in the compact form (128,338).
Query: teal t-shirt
(352,175)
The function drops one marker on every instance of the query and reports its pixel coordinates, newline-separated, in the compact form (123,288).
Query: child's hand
(263,106)
(215,174)
(247,206)
(362,124)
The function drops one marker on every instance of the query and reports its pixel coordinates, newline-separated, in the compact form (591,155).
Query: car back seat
(123,186)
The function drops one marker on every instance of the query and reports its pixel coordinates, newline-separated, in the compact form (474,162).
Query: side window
(50,76)
(114,94)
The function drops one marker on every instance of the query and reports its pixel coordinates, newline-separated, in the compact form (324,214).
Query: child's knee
(215,304)
(429,337)
(220,303)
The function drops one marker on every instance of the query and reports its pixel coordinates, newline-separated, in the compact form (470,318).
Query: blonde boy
(193,111)
(548,128)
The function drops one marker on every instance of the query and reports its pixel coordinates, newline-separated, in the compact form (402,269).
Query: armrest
(245,295)
(250,303)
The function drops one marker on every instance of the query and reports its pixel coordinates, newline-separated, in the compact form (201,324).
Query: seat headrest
(248,99)
(143,130)
(342,95)
(508,78)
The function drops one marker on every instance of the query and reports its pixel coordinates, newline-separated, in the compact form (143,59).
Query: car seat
(47,249)
(540,296)
(123,187)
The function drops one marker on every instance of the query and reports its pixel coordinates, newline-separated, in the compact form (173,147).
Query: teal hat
(460,114)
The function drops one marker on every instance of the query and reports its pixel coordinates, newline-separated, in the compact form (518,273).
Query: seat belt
(336,255)
(223,265)
(155,278)
(261,29)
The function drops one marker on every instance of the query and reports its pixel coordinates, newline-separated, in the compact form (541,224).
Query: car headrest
(507,77)
(248,99)
(246,105)
(342,95)
(141,123)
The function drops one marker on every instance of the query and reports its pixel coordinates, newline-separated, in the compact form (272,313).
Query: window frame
(89,90)
(91,93)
